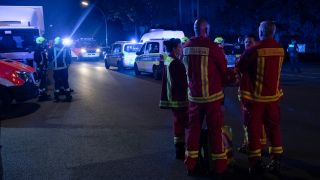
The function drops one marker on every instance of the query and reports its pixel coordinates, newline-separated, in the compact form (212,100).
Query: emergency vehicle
(87,49)
(149,58)
(122,55)
(19,27)
(17,82)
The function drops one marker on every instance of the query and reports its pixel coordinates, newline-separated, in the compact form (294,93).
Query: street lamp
(86,4)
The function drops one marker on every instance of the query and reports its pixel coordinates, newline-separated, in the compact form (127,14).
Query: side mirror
(139,53)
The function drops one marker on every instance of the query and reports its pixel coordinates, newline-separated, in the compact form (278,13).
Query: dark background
(129,19)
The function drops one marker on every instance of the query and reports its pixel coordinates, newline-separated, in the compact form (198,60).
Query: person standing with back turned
(260,90)
(206,66)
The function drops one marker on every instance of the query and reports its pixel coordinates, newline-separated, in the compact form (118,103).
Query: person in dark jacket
(174,93)
(41,59)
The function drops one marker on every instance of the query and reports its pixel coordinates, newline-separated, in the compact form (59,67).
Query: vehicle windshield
(132,48)
(18,40)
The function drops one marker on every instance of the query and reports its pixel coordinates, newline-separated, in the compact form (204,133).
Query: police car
(87,49)
(149,59)
(122,55)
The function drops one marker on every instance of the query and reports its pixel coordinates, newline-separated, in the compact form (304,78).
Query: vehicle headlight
(83,50)
(25,76)
(98,50)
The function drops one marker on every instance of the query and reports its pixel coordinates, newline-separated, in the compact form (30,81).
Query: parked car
(122,55)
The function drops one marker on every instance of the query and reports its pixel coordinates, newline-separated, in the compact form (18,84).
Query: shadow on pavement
(19,110)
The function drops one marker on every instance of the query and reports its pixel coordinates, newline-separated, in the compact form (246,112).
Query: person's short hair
(171,44)
(267,29)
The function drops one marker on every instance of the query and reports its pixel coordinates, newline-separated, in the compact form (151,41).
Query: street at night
(114,129)
(164,90)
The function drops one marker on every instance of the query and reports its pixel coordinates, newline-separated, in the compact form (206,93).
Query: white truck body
(19,26)
(161,34)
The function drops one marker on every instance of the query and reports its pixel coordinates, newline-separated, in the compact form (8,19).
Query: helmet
(57,40)
(40,40)
(184,39)
(219,40)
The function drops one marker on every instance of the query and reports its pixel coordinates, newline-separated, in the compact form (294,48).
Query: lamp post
(86,4)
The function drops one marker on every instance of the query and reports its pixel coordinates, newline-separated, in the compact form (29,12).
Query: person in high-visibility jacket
(206,66)
(260,90)
(41,59)
(60,57)
(174,93)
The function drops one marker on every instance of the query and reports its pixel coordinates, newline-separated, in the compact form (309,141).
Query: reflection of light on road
(84,71)
(100,69)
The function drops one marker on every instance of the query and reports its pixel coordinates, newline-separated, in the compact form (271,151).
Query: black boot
(180,151)
(257,169)
(68,96)
(56,97)
(44,97)
(274,166)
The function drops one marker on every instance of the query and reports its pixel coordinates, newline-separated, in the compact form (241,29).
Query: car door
(140,58)
(115,54)
(152,49)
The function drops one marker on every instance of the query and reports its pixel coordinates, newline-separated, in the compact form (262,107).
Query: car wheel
(136,70)
(5,99)
(120,65)
(156,72)
(107,65)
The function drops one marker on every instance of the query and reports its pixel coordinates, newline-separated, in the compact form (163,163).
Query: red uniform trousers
(245,117)
(214,118)
(180,122)
(267,114)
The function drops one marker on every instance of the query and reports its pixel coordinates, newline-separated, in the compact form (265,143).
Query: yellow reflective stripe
(178,140)
(249,96)
(271,52)
(192,154)
(227,130)
(201,51)
(279,72)
(174,104)
(255,153)
(218,156)
(259,76)
(169,84)
(206,75)
(214,97)
(276,150)
(203,76)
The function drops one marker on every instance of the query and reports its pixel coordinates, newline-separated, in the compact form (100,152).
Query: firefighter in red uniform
(206,65)
(250,41)
(260,90)
(174,93)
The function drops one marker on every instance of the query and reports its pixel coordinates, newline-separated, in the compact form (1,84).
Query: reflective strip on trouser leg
(218,156)
(255,153)
(192,154)
(177,140)
(276,150)
(263,139)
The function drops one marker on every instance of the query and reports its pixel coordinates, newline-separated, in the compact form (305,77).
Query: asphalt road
(114,130)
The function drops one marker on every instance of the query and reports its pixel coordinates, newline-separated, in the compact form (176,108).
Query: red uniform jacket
(206,66)
(260,68)
(174,84)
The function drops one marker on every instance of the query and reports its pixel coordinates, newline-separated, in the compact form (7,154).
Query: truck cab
(19,27)
(17,82)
